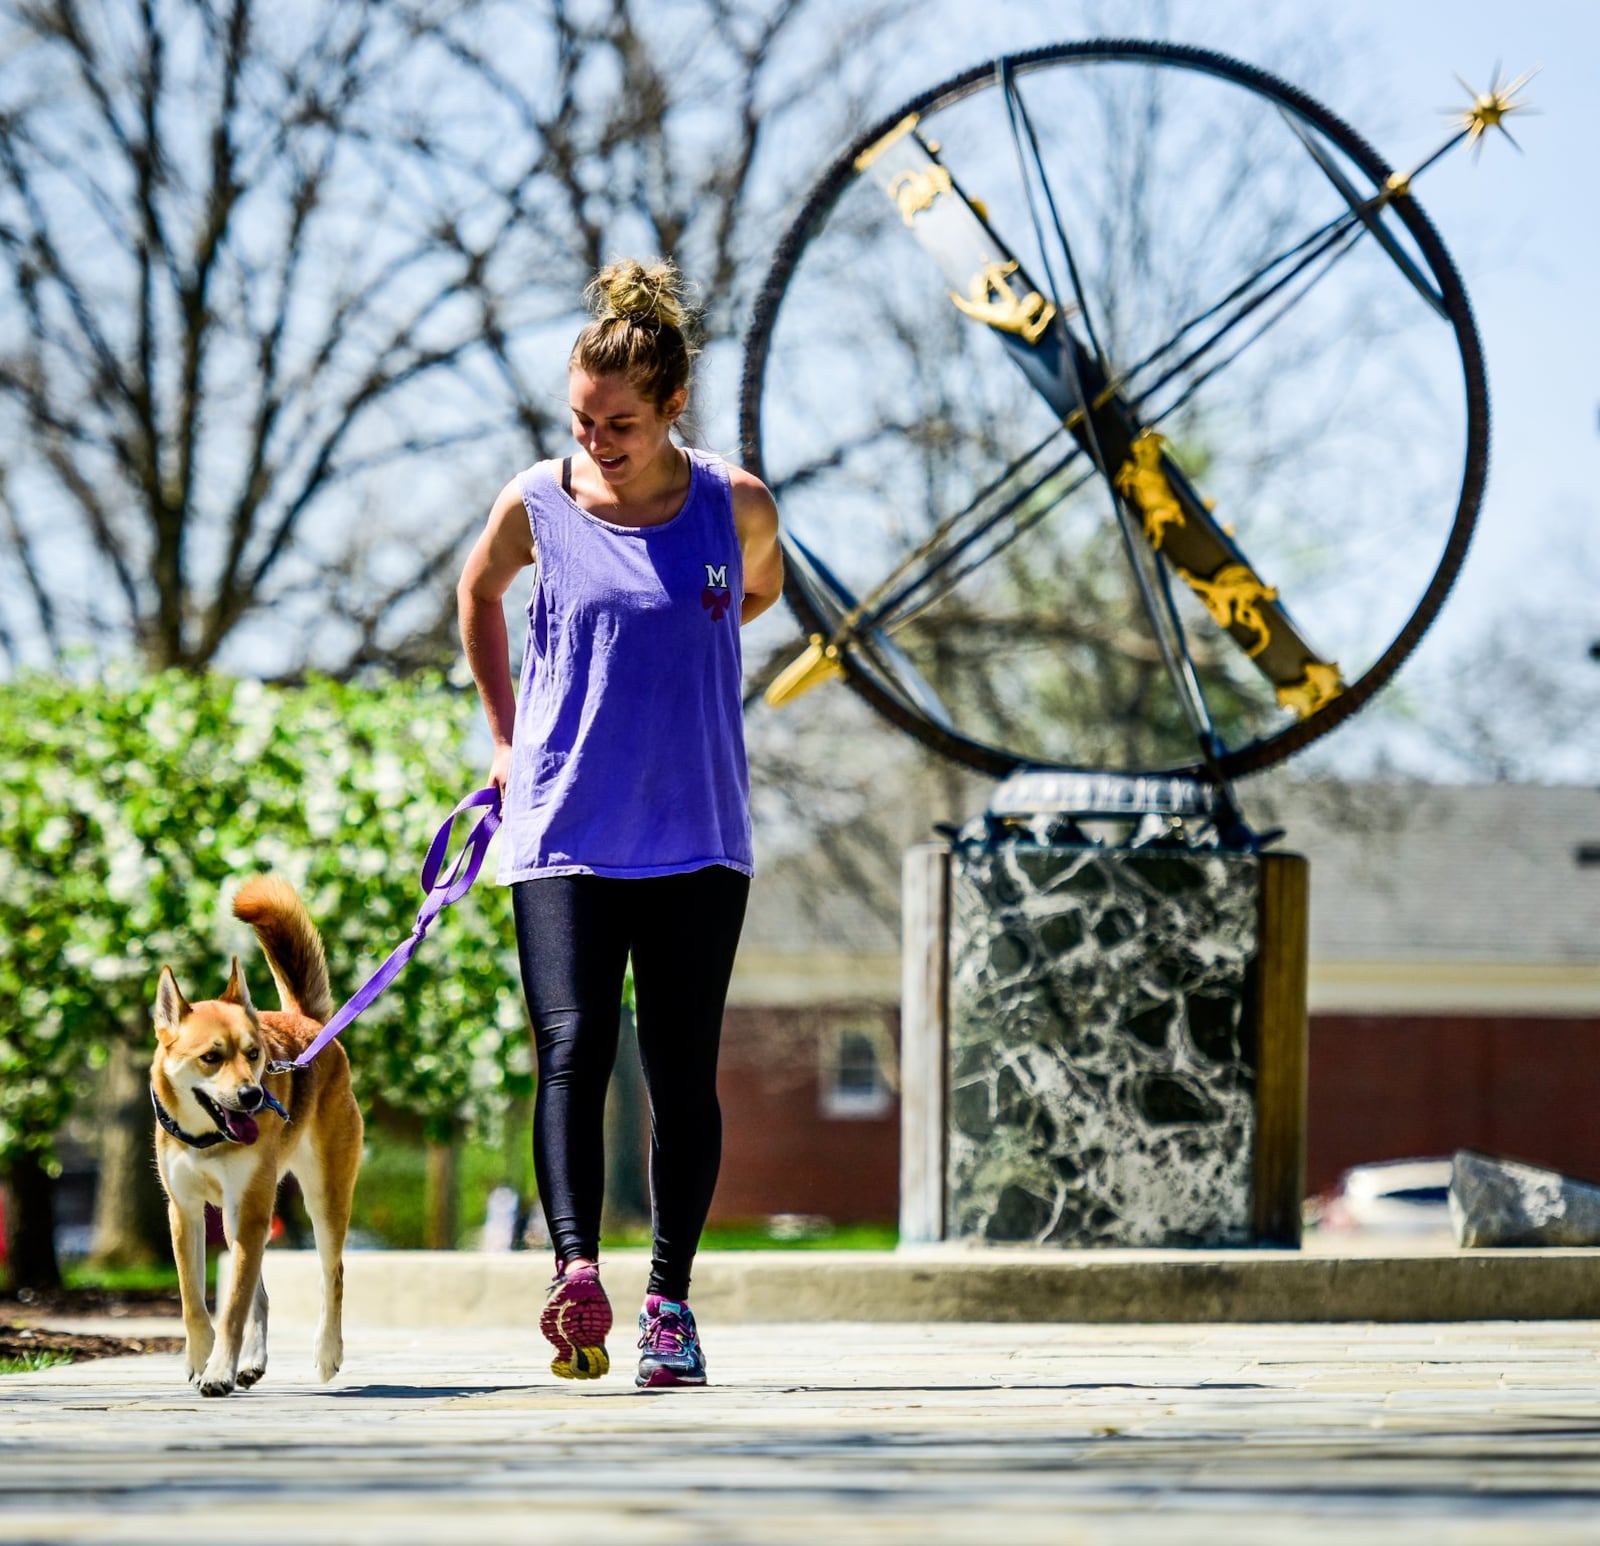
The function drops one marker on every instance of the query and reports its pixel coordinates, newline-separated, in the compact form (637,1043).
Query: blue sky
(1525,233)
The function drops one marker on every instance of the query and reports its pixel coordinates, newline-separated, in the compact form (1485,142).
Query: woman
(626,798)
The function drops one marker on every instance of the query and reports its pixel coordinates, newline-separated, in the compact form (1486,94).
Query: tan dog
(219,1139)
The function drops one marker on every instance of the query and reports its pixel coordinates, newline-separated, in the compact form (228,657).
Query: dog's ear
(238,991)
(171,1006)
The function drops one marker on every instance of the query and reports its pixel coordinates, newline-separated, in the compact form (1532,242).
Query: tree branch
(43,606)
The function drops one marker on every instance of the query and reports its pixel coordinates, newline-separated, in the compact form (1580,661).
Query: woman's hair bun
(641,328)
(638,293)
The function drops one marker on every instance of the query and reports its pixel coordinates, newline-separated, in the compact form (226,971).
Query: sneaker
(671,1345)
(576,1318)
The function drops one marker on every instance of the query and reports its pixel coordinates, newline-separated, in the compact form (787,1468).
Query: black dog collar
(205,1140)
(170,1122)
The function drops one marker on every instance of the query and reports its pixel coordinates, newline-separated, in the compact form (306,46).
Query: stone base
(1103,1046)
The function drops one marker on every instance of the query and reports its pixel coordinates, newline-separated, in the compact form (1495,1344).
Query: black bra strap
(566,476)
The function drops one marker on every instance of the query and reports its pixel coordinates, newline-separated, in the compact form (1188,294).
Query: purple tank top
(628,749)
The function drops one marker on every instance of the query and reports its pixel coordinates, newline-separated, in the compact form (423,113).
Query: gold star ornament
(1491,108)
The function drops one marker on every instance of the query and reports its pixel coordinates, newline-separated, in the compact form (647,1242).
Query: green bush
(131,808)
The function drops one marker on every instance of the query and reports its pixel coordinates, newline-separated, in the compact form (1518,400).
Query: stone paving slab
(840,1432)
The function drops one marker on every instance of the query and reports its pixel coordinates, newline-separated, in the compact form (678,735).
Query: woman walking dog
(626,812)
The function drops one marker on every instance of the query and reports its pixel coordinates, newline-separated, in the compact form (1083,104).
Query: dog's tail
(290,942)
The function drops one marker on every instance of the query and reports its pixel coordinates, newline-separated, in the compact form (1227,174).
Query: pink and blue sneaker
(671,1352)
(576,1318)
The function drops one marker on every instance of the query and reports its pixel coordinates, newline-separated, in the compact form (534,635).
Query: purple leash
(440,894)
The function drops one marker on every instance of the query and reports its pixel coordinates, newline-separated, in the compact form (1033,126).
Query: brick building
(810,1050)
(1455,971)
(1455,996)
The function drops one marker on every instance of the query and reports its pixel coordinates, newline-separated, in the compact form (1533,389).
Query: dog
(227,1131)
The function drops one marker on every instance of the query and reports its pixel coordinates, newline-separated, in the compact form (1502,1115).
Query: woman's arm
(502,551)
(755,517)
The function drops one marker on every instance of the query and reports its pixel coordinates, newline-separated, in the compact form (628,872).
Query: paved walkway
(838,1433)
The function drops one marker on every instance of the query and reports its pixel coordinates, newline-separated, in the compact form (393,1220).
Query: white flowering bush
(131,809)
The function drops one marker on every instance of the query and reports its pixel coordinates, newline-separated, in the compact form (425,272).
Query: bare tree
(1515,703)
(259,257)
(282,282)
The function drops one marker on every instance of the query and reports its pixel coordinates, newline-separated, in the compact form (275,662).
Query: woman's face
(622,431)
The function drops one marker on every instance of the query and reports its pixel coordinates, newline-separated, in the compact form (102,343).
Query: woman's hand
(500,768)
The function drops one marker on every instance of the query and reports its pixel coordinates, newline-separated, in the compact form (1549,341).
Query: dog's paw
(197,1355)
(217,1378)
(253,1357)
(329,1356)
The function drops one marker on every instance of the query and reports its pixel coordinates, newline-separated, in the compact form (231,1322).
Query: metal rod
(1019,528)
(1161,611)
(1017,109)
(869,611)
(930,543)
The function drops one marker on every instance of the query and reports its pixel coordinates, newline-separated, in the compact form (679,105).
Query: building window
(854,1082)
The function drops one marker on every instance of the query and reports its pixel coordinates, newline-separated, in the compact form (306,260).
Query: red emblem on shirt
(716,598)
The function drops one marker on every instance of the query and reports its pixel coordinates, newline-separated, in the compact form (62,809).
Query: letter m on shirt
(717,576)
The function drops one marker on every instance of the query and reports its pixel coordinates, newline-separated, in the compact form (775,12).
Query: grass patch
(149,1281)
(390,1201)
(32,1363)
(775,1235)
(141,1279)
(779,1235)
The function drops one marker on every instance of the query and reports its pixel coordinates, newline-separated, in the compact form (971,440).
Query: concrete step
(961,1283)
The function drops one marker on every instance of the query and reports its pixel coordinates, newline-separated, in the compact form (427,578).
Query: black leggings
(574,936)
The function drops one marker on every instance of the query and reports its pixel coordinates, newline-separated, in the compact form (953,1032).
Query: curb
(430,1289)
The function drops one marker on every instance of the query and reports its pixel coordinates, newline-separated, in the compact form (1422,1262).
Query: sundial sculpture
(1180,412)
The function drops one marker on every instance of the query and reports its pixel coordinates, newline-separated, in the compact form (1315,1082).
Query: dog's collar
(167,1120)
(205,1140)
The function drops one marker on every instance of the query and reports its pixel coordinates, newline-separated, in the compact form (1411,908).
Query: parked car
(1400,1197)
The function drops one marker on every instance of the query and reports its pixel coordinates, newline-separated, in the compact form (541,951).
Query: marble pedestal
(1103,1046)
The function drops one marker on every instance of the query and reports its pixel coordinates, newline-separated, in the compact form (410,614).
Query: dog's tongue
(240,1128)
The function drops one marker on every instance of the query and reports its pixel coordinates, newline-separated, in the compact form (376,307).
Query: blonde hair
(640,330)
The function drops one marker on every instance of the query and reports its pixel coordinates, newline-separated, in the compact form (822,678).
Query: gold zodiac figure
(1143,480)
(1320,685)
(1233,596)
(913,191)
(991,300)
